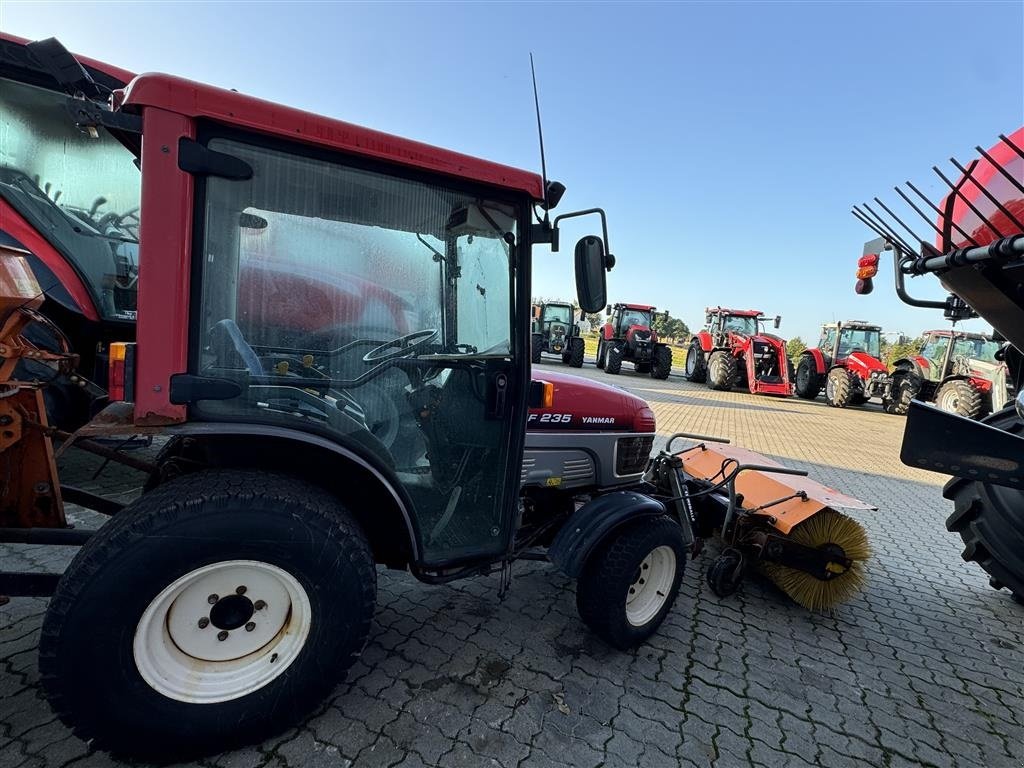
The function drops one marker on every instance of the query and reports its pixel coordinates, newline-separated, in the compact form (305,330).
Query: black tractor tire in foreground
(613,360)
(905,384)
(536,347)
(960,397)
(265,578)
(696,367)
(722,371)
(573,355)
(840,389)
(989,520)
(808,381)
(628,585)
(661,366)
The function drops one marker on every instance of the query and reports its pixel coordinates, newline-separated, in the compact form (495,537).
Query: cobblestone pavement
(922,669)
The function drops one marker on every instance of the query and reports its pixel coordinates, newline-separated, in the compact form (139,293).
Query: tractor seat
(231,349)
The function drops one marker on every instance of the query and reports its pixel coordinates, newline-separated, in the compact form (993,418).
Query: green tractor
(555,331)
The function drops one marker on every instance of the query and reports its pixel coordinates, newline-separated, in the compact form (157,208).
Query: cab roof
(736,312)
(640,307)
(197,100)
(959,334)
(863,324)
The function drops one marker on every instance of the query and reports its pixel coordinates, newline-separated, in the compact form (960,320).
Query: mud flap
(588,526)
(953,445)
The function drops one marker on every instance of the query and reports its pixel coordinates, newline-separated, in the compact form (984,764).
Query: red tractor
(734,350)
(628,336)
(847,364)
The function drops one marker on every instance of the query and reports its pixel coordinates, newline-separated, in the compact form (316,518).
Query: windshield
(740,324)
(558,313)
(80,193)
(976,349)
(865,340)
(631,317)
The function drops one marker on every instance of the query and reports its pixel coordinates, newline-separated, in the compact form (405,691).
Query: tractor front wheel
(601,352)
(215,610)
(808,380)
(960,397)
(988,519)
(839,388)
(902,388)
(661,366)
(722,371)
(613,362)
(536,347)
(574,356)
(629,584)
(696,368)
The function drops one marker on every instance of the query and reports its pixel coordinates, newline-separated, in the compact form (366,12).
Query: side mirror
(707,319)
(778,320)
(608,309)
(590,275)
(536,312)
(665,315)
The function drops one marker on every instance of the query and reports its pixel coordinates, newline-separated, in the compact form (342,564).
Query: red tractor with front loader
(847,365)
(629,336)
(302,449)
(734,350)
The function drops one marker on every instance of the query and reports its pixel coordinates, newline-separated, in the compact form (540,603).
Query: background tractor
(734,350)
(960,372)
(847,364)
(555,330)
(628,336)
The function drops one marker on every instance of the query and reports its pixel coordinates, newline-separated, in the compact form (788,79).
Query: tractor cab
(840,340)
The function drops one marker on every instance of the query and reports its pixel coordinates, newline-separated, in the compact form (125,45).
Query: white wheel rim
(192,647)
(949,401)
(651,587)
(830,388)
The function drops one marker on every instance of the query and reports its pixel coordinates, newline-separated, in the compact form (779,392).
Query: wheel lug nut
(240,590)
(250,626)
(204,623)
(222,635)
(212,599)
(259,605)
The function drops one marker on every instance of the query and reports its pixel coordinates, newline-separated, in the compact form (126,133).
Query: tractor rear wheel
(215,610)
(536,347)
(903,387)
(696,368)
(628,585)
(661,366)
(839,388)
(613,363)
(722,372)
(808,380)
(960,397)
(988,519)
(574,356)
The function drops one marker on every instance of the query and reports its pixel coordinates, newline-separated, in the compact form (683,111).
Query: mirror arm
(609,259)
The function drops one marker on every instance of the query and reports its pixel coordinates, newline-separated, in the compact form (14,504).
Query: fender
(607,332)
(589,525)
(912,364)
(982,385)
(706,342)
(819,359)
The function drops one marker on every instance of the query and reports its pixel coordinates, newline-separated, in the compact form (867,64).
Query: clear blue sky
(727,141)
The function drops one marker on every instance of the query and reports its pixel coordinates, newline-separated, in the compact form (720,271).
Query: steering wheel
(401,346)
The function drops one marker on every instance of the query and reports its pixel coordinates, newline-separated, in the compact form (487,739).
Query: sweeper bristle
(826,527)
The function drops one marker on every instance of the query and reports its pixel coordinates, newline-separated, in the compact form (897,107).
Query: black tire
(613,362)
(989,519)
(614,569)
(839,388)
(576,352)
(87,651)
(696,368)
(722,371)
(808,381)
(536,347)
(905,384)
(960,397)
(661,365)
(726,573)
(601,354)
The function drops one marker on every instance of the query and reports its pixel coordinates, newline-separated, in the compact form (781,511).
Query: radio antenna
(540,137)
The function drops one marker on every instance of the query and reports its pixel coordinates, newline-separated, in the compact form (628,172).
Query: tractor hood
(863,362)
(584,405)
